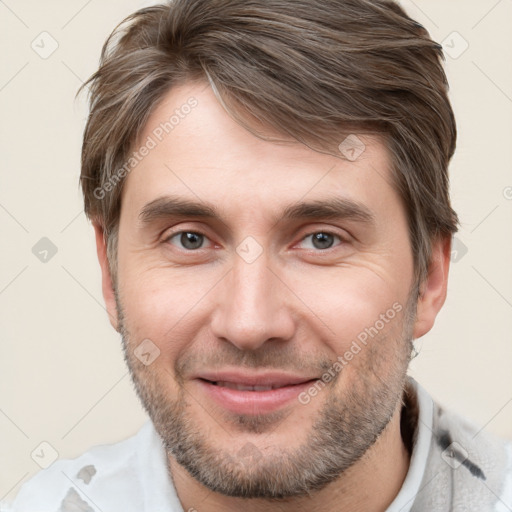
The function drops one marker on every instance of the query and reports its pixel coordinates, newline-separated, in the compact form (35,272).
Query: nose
(252,306)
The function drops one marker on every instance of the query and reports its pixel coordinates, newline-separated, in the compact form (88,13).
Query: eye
(188,240)
(320,240)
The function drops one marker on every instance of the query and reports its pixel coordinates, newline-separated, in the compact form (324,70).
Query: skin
(296,308)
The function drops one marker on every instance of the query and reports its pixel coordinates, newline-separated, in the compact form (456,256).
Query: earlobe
(106,277)
(434,287)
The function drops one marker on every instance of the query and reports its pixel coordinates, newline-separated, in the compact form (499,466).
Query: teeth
(241,387)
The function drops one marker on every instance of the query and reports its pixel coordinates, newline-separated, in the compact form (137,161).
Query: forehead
(193,148)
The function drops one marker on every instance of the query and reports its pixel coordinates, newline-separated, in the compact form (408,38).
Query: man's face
(272,284)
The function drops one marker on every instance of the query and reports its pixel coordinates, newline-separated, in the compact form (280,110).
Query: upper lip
(254,379)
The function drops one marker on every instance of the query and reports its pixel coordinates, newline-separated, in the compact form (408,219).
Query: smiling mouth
(253,398)
(245,387)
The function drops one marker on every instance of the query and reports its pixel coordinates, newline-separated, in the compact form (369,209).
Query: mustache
(268,358)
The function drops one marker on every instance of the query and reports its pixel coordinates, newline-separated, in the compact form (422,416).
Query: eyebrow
(170,206)
(331,208)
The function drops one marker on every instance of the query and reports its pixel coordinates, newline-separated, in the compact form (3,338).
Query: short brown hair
(310,69)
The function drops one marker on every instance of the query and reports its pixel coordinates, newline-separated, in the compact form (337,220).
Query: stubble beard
(348,424)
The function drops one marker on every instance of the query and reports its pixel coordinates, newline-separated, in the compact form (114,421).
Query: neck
(371,484)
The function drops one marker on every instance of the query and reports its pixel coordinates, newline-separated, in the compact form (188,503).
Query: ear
(434,287)
(106,278)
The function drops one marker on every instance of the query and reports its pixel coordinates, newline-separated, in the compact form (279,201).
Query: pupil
(191,240)
(322,240)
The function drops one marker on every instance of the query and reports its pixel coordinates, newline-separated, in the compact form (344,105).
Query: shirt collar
(416,399)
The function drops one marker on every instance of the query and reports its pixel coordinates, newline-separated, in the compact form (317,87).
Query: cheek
(351,304)
(164,306)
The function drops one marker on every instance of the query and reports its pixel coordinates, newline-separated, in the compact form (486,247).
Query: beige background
(62,377)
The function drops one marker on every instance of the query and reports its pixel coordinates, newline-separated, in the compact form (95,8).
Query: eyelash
(340,238)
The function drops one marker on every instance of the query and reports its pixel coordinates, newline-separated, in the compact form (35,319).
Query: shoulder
(466,466)
(461,443)
(82,483)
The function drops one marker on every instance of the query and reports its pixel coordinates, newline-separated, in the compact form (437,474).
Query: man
(268,186)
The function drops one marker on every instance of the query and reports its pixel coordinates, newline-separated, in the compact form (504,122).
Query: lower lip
(253,402)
